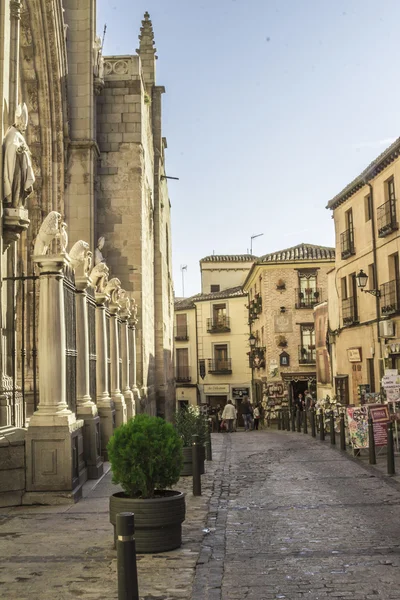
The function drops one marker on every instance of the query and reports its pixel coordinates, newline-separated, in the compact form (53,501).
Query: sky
(271,108)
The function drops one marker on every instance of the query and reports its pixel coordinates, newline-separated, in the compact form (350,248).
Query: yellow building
(365,323)
(284,287)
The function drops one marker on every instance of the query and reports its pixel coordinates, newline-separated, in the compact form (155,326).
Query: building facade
(364,323)
(284,287)
(86,297)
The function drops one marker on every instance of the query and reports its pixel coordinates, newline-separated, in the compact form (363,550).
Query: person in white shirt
(256,417)
(229,415)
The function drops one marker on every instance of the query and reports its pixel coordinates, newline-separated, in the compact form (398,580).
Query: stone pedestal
(117,397)
(54,442)
(85,407)
(105,405)
(127,392)
(132,364)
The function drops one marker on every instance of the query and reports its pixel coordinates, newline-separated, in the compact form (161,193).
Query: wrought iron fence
(220,365)
(387,218)
(307,298)
(389,299)
(91,310)
(182,374)
(349,312)
(347,243)
(218,324)
(70,337)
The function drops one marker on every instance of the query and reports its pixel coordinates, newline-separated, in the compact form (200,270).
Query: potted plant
(280,285)
(146,458)
(190,421)
(282,341)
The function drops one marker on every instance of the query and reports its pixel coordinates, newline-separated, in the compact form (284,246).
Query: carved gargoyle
(49,230)
(124,302)
(99,277)
(81,258)
(113,288)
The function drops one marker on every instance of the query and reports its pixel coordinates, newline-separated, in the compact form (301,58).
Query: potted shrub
(146,458)
(188,422)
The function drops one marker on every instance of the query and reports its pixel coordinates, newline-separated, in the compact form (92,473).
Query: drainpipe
(374,252)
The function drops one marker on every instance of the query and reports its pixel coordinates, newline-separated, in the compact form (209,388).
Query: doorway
(298,387)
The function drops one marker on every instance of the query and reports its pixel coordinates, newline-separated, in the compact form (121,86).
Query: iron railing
(347,243)
(307,355)
(349,311)
(218,324)
(70,337)
(389,299)
(307,298)
(387,218)
(220,366)
(182,374)
(91,310)
(181,333)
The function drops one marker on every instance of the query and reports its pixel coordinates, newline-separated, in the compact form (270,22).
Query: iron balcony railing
(220,366)
(182,374)
(387,218)
(307,355)
(349,312)
(347,243)
(389,299)
(219,324)
(181,333)
(307,298)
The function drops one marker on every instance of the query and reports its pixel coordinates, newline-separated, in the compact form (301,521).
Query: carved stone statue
(134,311)
(124,302)
(99,276)
(113,288)
(18,175)
(98,59)
(98,256)
(81,258)
(50,230)
(63,237)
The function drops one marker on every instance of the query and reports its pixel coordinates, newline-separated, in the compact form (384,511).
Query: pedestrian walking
(229,415)
(247,414)
(256,417)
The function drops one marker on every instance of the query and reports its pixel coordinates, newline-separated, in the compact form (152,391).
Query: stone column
(54,435)
(118,399)
(132,363)
(105,405)
(86,409)
(127,392)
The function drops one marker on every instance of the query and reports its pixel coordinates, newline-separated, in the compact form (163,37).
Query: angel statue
(98,256)
(18,175)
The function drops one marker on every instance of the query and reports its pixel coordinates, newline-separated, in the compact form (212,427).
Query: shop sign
(210,388)
(354,355)
(273,368)
(358,426)
(391,380)
(238,393)
(380,417)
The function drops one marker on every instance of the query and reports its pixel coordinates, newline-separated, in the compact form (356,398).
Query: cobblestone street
(292,518)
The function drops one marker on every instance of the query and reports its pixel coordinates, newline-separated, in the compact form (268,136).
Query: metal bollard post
(321,426)
(279,420)
(208,446)
(312,419)
(371,442)
(287,419)
(196,465)
(126,557)
(305,424)
(342,433)
(298,419)
(332,428)
(390,450)
(293,420)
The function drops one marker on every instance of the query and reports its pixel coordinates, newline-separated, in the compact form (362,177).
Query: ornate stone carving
(63,237)
(134,311)
(113,288)
(124,303)
(116,67)
(98,59)
(99,276)
(50,230)
(15,9)
(81,258)
(18,176)
(98,256)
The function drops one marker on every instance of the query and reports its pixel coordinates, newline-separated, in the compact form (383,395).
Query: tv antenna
(253,237)
(183,269)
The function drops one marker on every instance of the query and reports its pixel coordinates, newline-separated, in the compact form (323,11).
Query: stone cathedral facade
(86,275)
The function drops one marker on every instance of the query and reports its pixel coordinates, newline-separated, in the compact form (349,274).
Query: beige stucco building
(364,327)
(284,287)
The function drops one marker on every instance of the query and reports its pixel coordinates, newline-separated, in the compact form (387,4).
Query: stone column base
(54,462)
(107,426)
(130,404)
(92,445)
(120,408)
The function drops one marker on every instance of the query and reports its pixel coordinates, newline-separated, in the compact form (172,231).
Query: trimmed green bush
(145,455)
(190,421)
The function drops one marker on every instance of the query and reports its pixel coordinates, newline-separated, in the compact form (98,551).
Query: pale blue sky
(272,107)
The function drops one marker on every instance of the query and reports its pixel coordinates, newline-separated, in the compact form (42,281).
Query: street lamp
(362,279)
(252,340)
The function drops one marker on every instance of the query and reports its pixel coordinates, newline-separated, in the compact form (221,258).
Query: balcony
(308,298)
(181,333)
(349,311)
(182,374)
(307,355)
(389,299)
(219,324)
(347,243)
(387,218)
(220,366)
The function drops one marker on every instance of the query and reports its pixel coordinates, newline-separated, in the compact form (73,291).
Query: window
(181,332)
(307,352)
(349,219)
(219,314)
(371,374)
(347,237)
(221,353)
(390,191)
(342,389)
(343,286)
(367,207)
(182,364)
(353,288)
(214,288)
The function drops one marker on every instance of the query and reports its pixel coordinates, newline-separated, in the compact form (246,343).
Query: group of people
(229,415)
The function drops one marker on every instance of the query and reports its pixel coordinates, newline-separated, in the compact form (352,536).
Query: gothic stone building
(78,354)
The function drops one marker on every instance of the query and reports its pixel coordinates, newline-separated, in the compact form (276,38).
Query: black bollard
(342,433)
(298,421)
(208,445)
(279,421)
(312,420)
(321,426)
(126,557)
(293,421)
(196,465)
(390,450)
(305,424)
(287,418)
(371,442)
(332,428)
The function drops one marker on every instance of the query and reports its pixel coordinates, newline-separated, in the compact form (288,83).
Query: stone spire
(147,51)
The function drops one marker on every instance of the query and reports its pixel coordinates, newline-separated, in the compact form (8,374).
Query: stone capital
(82,283)
(52,264)
(101,298)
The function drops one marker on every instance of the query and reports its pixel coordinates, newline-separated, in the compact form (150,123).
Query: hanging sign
(380,418)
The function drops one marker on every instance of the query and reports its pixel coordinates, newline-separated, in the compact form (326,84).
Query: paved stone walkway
(292,518)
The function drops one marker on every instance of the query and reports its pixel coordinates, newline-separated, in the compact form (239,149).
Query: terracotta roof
(305,252)
(229,258)
(186,303)
(373,169)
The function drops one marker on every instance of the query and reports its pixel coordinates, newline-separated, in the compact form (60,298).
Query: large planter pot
(187,461)
(158,521)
